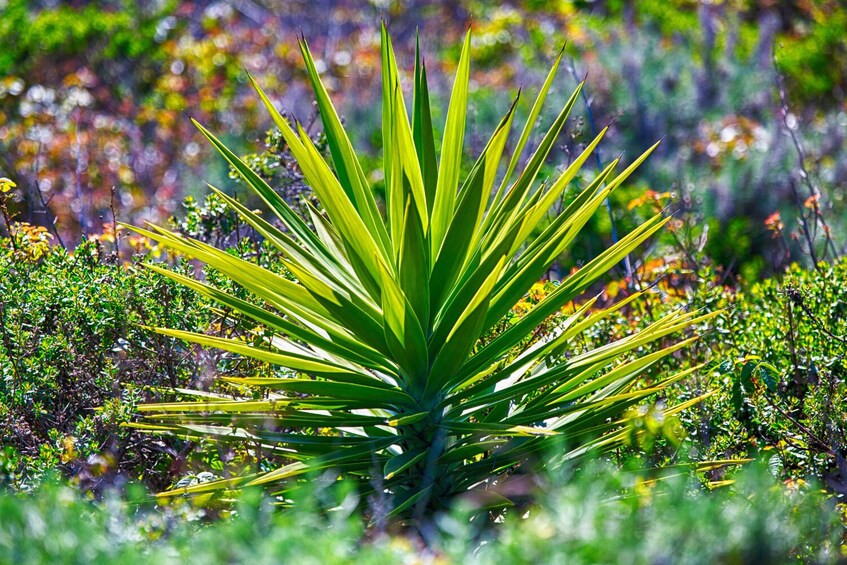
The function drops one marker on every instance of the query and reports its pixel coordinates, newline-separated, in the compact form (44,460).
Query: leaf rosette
(381,325)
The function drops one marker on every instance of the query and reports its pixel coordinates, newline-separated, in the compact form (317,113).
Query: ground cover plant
(601,515)
(379,330)
(76,358)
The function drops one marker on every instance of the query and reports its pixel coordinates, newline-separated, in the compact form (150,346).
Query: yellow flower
(538,291)
(68,449)
(6,184)
(33,241)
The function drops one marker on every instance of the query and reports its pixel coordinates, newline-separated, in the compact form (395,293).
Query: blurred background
(747,95)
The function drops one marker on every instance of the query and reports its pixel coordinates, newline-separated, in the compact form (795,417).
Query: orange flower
(812,202)
(774,224)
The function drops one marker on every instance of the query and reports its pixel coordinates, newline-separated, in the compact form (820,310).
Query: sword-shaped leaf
(452,149)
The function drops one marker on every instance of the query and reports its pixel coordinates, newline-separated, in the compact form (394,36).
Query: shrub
(75,359)
(776,363)
(781,361)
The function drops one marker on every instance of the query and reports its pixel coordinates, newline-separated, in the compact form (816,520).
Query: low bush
(775,360)
(600,515)
(75,359)
(779,362)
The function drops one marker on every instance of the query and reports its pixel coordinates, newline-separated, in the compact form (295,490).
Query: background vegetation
(81,134)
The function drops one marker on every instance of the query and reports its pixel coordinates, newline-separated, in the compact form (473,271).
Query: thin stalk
(45,203)
(814,193)
(598,162)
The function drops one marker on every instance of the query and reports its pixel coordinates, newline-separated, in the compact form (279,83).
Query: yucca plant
(381,320)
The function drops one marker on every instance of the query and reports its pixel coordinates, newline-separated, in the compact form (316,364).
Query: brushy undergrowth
(82,364)
(777,363)
(777,366)
(76,359)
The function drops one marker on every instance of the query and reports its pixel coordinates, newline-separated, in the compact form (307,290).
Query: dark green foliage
(781,356)
(75,360)
(280,170)
(76,357)
(212,221)
(216,223)
(776,360)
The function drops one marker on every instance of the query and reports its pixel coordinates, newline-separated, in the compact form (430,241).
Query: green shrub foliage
(600,515)
(75,359)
